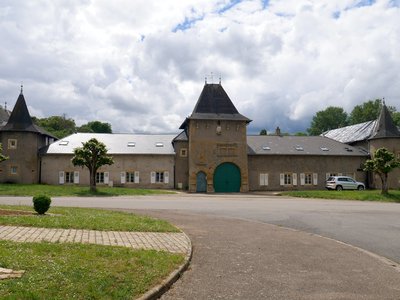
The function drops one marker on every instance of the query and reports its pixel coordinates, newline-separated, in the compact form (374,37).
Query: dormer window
(299,148)
(266,148)
(159,144)
(63,143)
(131,144)
(324,148)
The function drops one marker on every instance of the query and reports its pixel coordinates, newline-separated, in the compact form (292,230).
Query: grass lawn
(370,195)
(85,218)
(71,190)
(82,271)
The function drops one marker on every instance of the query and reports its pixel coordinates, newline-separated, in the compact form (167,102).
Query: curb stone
(157,291)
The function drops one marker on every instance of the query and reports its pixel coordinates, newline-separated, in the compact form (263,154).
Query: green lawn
(370,195)
(71,190)
(84,218)
(82,271)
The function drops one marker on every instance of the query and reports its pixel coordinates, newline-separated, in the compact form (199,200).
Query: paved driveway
(237,255)
(369,225)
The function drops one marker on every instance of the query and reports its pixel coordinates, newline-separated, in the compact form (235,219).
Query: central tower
(217,144)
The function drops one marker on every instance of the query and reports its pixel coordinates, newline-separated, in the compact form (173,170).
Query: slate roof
(385,127)
(214,104)
(300,145)
(116,143)
(352,133)
(181,137)
(20,119)
(4,116)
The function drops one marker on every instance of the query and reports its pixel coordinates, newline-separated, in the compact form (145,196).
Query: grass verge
(72,190)
(85,218)
(371,195)
(82,271)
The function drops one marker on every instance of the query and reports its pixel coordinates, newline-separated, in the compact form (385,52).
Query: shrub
(41,204)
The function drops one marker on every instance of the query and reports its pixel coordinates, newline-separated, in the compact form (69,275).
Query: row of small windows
(291,179)
(287,179)
(125,177)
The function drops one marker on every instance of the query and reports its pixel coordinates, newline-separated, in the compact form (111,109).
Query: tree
(368,111)
(59,126)
(95,127)
(92,155)
(330,118)
(263,132)
(2,156)
(396,118)
(300,133)
(382,163)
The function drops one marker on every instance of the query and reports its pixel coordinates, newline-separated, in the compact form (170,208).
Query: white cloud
(140,65)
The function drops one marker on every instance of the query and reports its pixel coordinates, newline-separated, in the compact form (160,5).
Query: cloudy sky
(140,65)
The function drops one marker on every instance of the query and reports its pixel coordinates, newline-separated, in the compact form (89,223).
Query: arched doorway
(227,178)
(201,182)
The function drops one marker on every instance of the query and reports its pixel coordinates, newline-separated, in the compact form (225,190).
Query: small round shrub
(41,204)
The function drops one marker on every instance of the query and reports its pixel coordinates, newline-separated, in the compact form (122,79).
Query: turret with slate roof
(215,134)
(385,127)
(20,120)
(21,141)
(214,104)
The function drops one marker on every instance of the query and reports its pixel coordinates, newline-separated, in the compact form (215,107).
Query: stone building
(212,153)
(21,141)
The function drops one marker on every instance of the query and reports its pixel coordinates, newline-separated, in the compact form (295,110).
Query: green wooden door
(227,178)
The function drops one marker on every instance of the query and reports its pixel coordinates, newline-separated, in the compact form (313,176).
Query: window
(100,177)
(330,175)
(131,144)
(12,144)
(183,152)
(13,170)
(63,143)
(263,179)
(159,176)
(287,179)
(69,177)
(159,144)
(130,176)
(308,178)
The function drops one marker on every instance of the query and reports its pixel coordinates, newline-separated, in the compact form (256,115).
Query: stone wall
(53,164)
(213,142)
(322,166)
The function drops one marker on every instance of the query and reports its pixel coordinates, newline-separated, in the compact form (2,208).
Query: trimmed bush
(41,204)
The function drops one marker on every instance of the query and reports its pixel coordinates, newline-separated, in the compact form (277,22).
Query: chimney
(278,131)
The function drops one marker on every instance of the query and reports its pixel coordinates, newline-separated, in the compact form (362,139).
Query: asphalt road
(239,255)
(371,226)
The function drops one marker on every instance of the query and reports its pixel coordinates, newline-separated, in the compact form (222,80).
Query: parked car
(343,183)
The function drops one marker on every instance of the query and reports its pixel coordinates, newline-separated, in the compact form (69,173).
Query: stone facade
(58,169)
(212,143)
(213,153)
